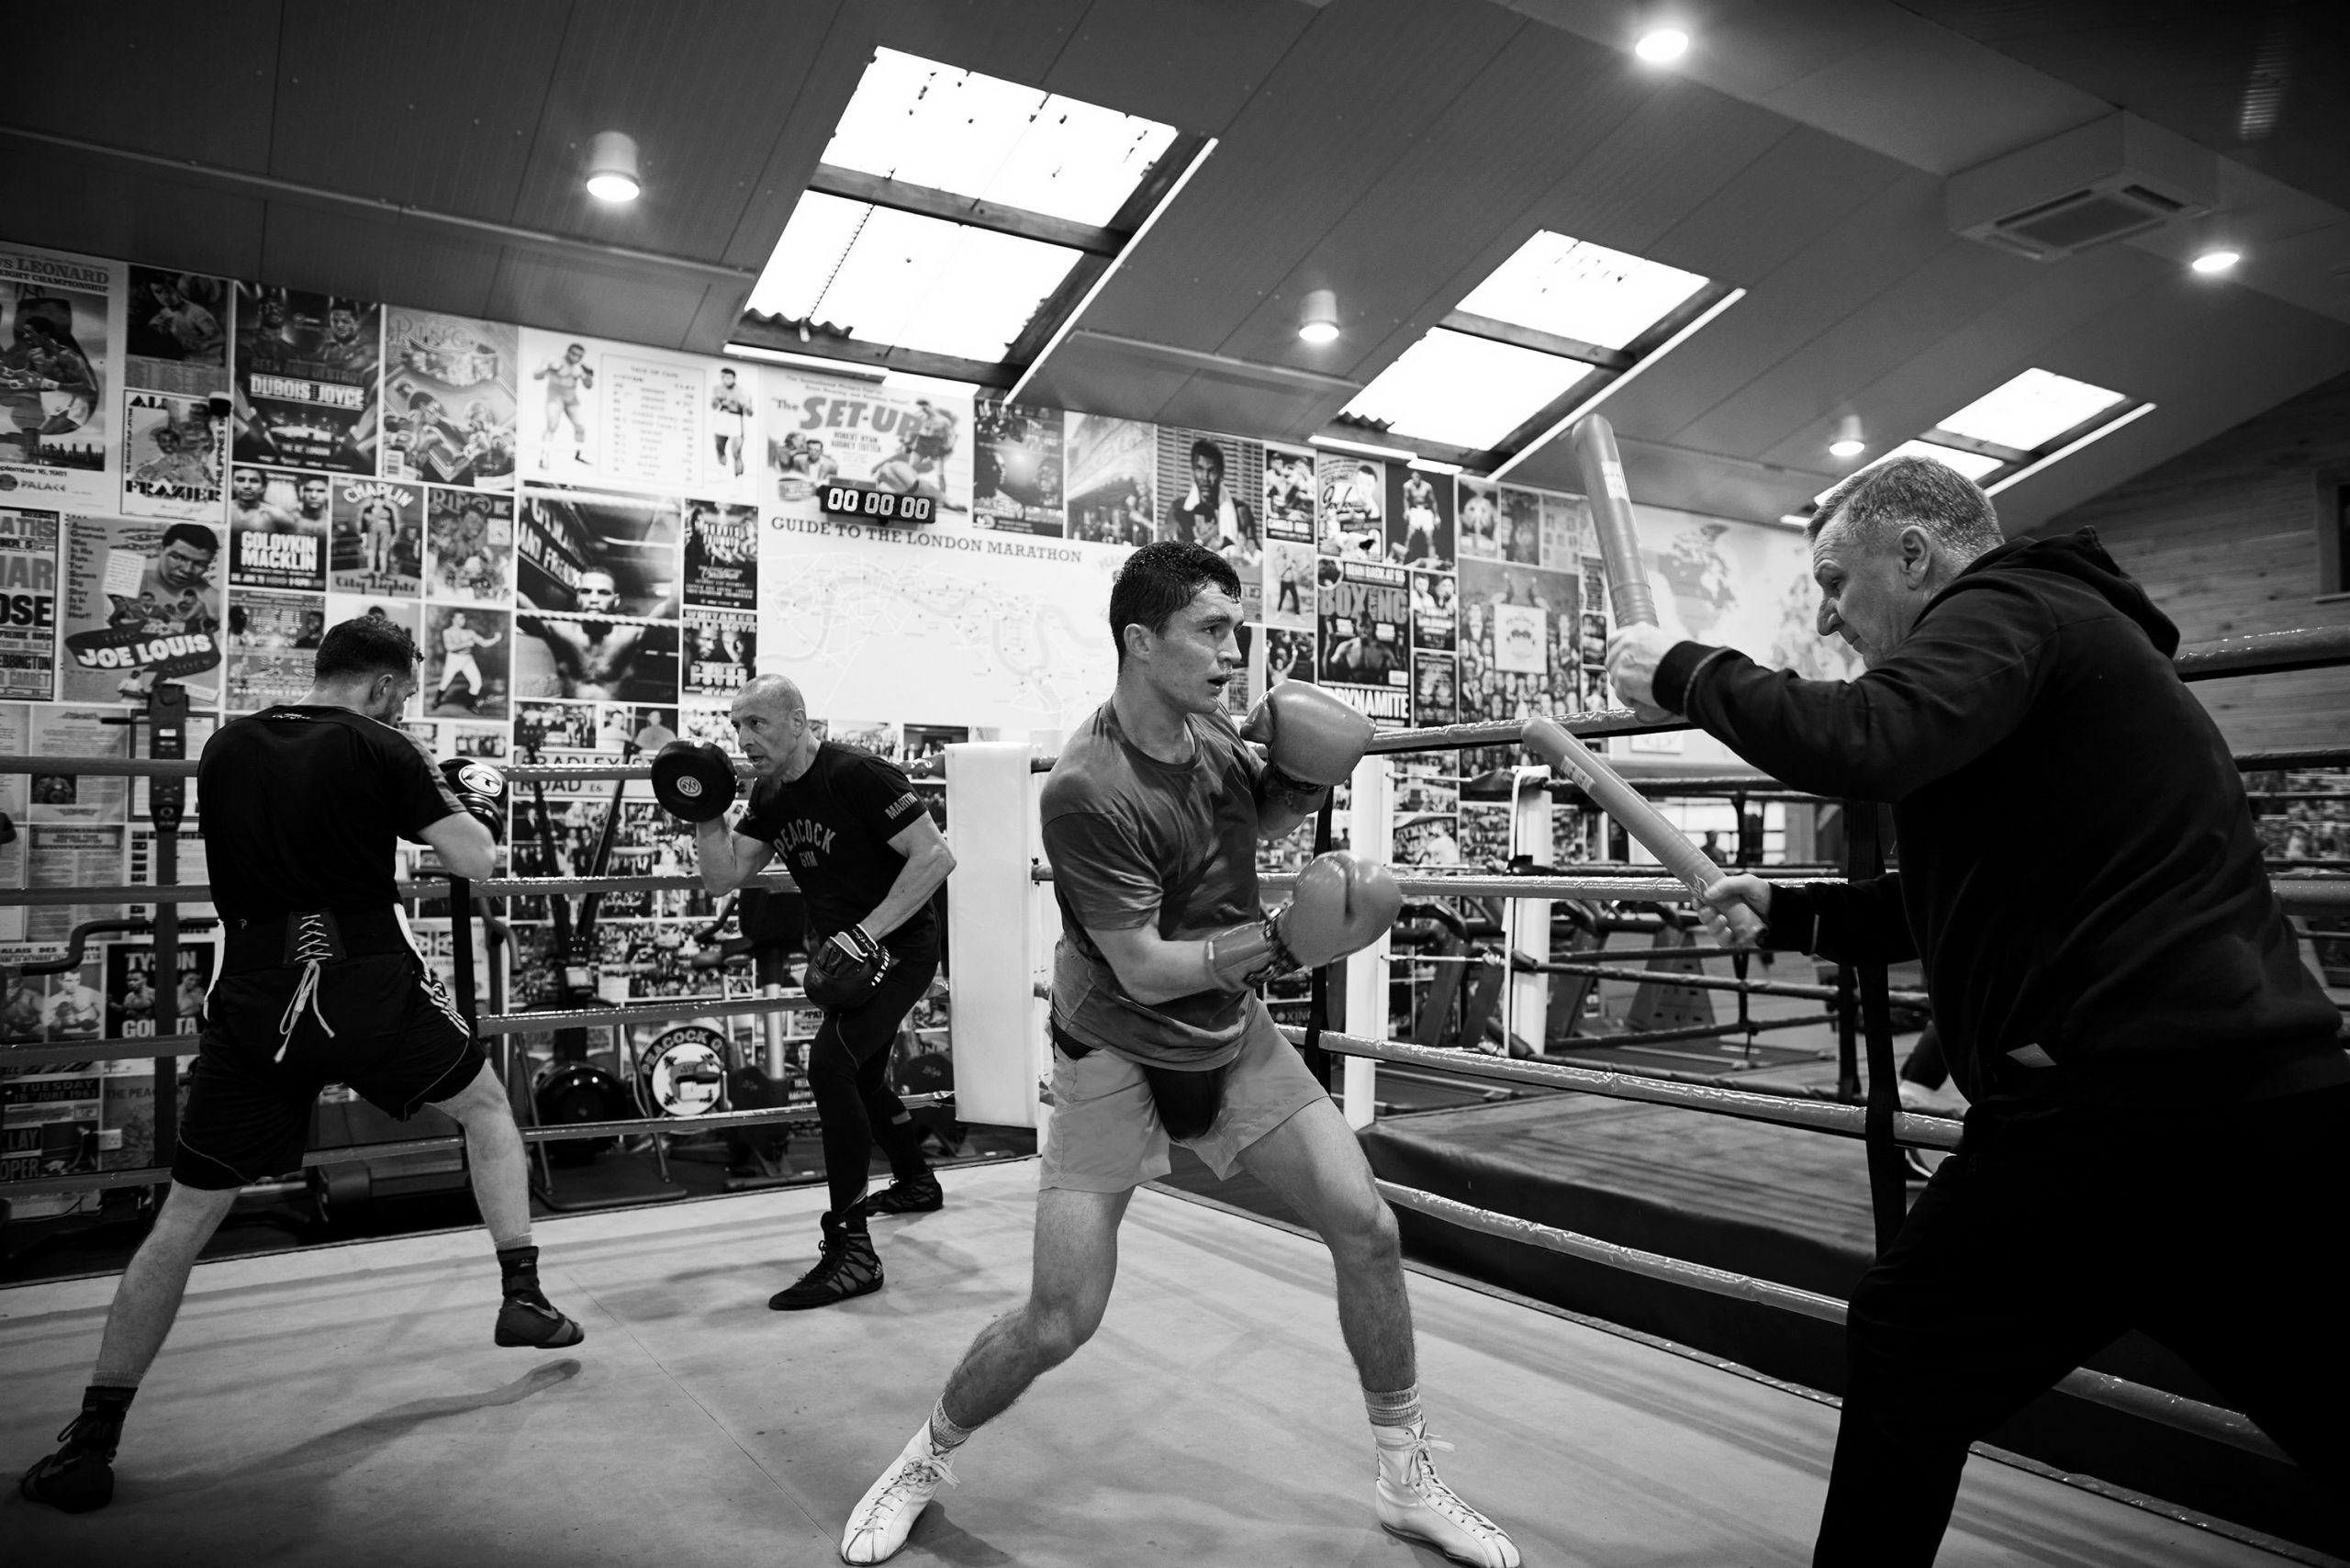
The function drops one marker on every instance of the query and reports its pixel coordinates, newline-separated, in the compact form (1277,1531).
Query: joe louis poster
(143,602)
(306,379)
(1366,608)
(449,400)
(59,320)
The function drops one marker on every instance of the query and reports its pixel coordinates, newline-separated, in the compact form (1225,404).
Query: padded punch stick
(1593,440)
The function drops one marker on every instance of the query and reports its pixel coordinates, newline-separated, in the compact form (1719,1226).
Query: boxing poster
(27,605)
(1435,610)
(1352,508)
(469,547)
(1289,656)
(171,464)
(1365,657)
(272,646)
(1208,488)
(720,650)
(825,433)
(596,589)
(1478,530)
(1240,691)
(1112,475)
(306,379)
(1289,572)
(722,555)
(61,344)
(278,524)
(1419,519)
(606,415)
(1570,536)
(177,336)
(142,603)
(1518,646)
(449,400)
(377,544)
(468,662)
(1520,528)
(1435,689)
(1017,468)
(731,459)
(1288,511)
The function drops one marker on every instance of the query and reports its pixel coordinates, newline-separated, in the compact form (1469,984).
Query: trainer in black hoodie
(2078,869)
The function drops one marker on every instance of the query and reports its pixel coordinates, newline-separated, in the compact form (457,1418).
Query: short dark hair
(365,644)
(195,533)
(1206,448)
(1159,579)
(1880,501)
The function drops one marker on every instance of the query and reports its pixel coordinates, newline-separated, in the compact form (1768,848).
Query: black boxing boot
(846,1266)
(526,1319)
(79,1477)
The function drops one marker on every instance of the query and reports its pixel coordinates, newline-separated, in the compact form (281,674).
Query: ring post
(999,923)
(1369,836)
(1526,1004)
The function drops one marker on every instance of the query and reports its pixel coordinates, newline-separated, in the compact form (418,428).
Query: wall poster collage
(596,544)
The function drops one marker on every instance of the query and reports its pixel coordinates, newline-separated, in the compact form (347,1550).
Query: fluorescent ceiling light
(1465,391)
(928,124)
(908,281)
(1400,454)
(2031,410)
(2216,261)
(1973,464)
(1665,43)
(1572,288)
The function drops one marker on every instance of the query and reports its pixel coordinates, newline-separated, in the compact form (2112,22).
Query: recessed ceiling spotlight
(1662,44)
(611,166)
(1849,442)
(1320,321)
(2217,260)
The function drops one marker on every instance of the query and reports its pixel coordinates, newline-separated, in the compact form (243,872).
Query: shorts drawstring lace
(311,944)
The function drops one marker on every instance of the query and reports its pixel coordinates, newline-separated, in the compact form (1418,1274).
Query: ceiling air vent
(2090,185)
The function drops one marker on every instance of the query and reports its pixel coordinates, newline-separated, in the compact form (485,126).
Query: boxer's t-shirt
(1134,841)
(831,829)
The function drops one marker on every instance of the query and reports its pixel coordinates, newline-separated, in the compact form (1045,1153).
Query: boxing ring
(691,1415)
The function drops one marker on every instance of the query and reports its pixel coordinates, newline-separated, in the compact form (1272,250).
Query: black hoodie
(2079,868)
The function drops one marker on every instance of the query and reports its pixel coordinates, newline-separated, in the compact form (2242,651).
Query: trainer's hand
(1310,737)
(1736,908)
(1341,905)
(1633,654)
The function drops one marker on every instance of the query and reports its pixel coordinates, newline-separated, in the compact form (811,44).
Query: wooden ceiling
(1394,151)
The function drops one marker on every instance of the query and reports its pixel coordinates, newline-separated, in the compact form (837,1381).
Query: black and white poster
(307,375)
(1353,506)
(1419,519)
(720,652)
(178,333)
(171,464)
(1366,610)
(450,399)
(60,326)
(1017,468)
(1289,494)
(469,547)
(379,543)
(1111,464)
(596,587)
(722,554)
(468,662)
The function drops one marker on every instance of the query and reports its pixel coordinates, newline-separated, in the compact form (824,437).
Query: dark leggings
(848,1065)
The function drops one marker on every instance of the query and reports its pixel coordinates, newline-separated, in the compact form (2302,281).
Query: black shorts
(398,1041)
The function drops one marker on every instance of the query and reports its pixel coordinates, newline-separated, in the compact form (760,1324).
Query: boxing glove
(1341,905)
(693,781)
(1312,739)
(480,789)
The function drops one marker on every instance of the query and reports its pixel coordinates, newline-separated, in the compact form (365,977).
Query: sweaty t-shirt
(301,806)
(1135,842)
(831,828)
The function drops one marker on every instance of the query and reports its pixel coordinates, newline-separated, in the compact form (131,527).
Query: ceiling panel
(193,82)
(574,294)
(440,117)
(973,34)
(1194,64)
(72,201)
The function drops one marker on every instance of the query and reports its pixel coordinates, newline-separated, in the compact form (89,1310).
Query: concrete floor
(344,1406)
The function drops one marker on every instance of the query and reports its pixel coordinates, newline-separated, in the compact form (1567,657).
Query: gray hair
(1882,500)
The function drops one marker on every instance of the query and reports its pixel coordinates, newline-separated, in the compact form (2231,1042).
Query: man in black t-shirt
(849,828)
(319,983)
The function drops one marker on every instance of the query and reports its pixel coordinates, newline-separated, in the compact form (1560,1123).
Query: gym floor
(343,1405)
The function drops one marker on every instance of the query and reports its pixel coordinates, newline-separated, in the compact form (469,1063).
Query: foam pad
(695,782)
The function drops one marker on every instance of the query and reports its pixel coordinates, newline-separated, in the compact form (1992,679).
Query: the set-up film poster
(596,594)
(1288,510)
(1112,466)
(1017,468)
(1419,519)
(450,399)
(1519,652)
(278,525)
(599,414)
(825,430)
(1352,505)
(27,605)
(60,353)
(143,602)
(1366,655)
(308,375)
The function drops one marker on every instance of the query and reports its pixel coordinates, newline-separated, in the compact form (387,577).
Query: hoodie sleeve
(1846,922)
(1960,684)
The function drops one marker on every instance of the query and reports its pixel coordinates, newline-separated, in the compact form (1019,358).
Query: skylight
(911,281)
(2031,410)
(1462,391)
(1574,289)
(1973,464)
(951,129)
